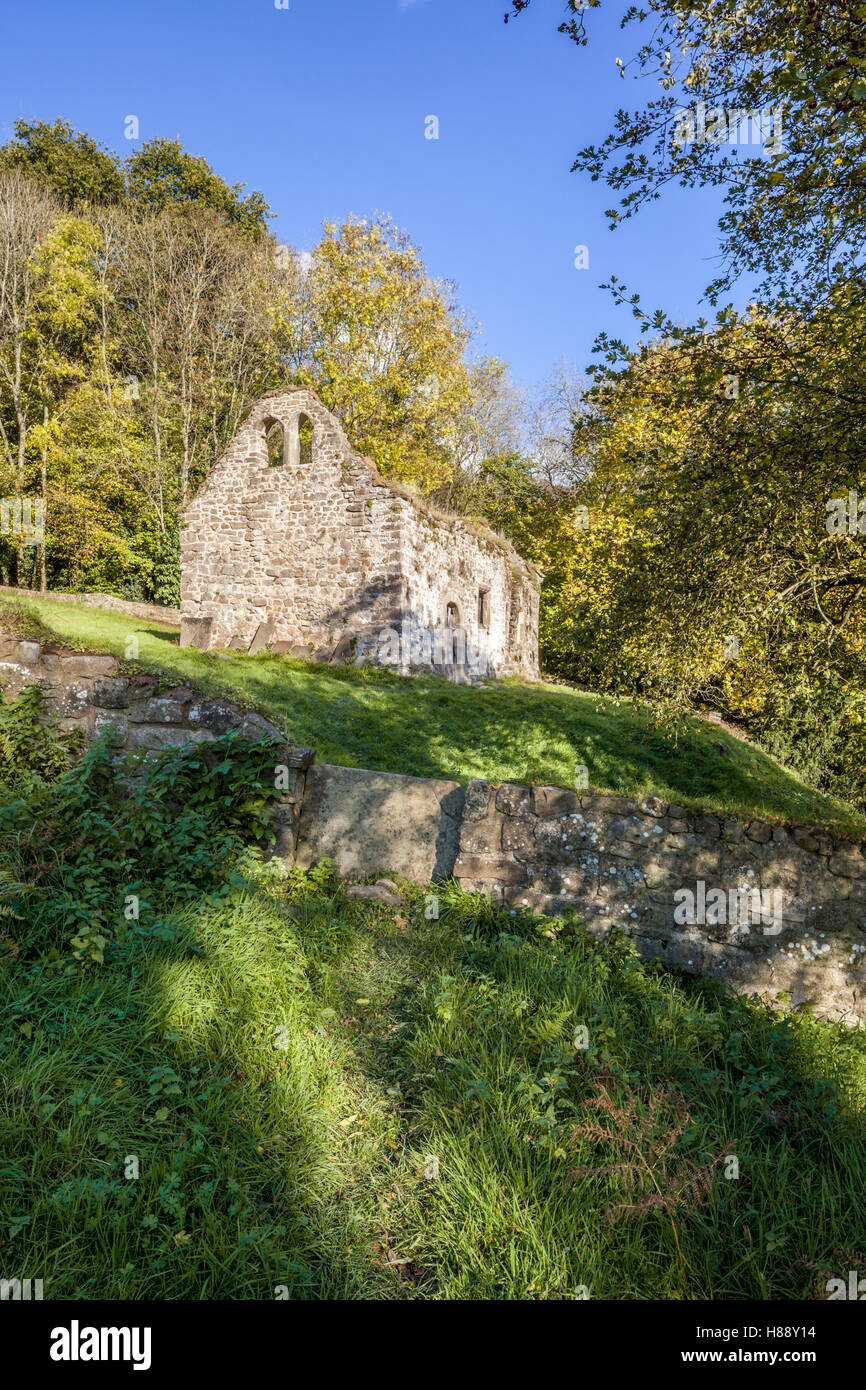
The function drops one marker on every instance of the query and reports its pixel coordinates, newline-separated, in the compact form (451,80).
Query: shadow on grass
(426,727)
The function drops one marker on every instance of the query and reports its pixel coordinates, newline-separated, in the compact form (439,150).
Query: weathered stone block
(518,838)
(154,738)
(103,719)
(482,836)
(598,804)
(255,726)
(376,821)
(158,711)
(263,635)
(848,863)
(806,841)
(477,800)
(498,868)
(27,653)
(554,801)
(513,800)
(707,825)
(197,632)
(758,831)
(110,692)
(560,840)
(214,715)
(374,892)
(86,667)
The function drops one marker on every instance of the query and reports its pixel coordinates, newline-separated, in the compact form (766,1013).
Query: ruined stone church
(295,542)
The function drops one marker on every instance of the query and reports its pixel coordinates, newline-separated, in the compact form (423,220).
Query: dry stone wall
(674,881)
(327,554)
(771,910)
(84,691)
(682,886)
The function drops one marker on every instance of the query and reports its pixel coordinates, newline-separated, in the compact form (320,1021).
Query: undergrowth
(220,1081)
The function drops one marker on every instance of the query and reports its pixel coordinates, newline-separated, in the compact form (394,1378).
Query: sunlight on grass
(509,732)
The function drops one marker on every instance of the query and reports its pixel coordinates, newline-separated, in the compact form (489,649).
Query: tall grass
(258,1087)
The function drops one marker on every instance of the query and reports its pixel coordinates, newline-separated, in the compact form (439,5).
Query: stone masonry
(621,863)
(614,861)
(307,548)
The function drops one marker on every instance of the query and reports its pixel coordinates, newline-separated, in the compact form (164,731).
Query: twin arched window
(292,444)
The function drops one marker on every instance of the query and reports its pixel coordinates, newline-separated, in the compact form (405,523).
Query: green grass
(254,1086)
(510,732)
(310,1168)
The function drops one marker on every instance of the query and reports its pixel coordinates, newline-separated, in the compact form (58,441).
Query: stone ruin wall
(84,691)
(327,551)
(446,561)
(310,548)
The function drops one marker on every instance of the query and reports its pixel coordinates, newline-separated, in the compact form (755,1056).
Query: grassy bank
(330,1100)
(509,732)
(219,1082)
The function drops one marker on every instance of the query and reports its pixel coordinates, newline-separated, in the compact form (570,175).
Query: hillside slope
(427,727)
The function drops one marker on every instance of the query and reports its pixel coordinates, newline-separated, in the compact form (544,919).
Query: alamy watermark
(737,907)
(22,519)
(21,1289)
(846,516)
(699,125)
(411,644)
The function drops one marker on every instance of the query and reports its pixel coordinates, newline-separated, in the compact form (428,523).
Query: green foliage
(794,211)
(509,732)
(289,1093)
(91,843)
(379,339)
(65,161)
(162,173)
(715,450)
(32,747)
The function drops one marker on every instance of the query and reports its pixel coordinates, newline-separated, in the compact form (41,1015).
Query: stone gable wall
(328,552)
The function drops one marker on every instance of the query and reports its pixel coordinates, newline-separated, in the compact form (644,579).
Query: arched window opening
(452,615)
(276,444)
(305,440)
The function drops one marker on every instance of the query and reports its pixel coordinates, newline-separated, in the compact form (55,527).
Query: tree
(65,162)
(26,217)
(384,343)
(707,561)
(195,329)
(162,173)
(794,214)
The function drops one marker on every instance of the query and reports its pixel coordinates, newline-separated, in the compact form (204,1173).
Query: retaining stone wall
(622,863)
(617,862)
(83,691)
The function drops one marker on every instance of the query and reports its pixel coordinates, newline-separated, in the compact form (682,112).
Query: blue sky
(322,106)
